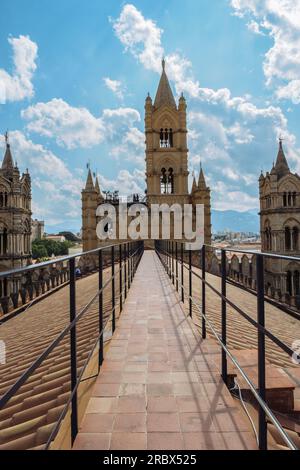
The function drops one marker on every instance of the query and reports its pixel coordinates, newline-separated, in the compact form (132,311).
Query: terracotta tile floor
(159,387)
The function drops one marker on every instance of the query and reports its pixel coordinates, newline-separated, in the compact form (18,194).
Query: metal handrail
(264,409)
(32,267)
(71,328)
(254,323)
(263,253)
(83,369)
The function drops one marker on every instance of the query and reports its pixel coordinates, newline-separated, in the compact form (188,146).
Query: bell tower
(166,146)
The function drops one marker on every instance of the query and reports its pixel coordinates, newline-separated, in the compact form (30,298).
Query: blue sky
(74,77)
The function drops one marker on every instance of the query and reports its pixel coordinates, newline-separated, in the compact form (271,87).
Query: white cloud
(115,86)
(231,174)
(52,181)
(71,127)
(290,91)
(143,38)
(255,28)
(235,200)
(280,19)
(140,36)
(131,147)
(76,127)
(18,86)
(210,126)
(240,134)
(121,116)
(126,183)
(229,129)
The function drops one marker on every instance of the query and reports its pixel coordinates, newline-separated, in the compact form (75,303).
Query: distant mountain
(235,221)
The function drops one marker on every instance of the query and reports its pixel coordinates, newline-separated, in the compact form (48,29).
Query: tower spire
(8,163)
(202,182)
(281,166)
(89,182)
(194,187)
(164,95)
(97,185)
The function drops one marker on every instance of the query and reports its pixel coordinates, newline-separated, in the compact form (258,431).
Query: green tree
(47,248)
(39,251)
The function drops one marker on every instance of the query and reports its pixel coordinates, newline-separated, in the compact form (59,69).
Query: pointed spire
(8,163)
(202,182)
(89,182)
(281,167)
(164,95)
(194,187)
(97,185)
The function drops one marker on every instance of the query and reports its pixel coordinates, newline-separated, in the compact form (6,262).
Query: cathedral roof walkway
(117,360)
(159,387)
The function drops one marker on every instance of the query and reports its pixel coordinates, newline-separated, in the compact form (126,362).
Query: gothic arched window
(296,283)
(295,238)
(284,200)
(161,138)
(167,181)
(268,237)
(170,189)
(163,181)
(171,138)
(166,138)
(289,282)
(287,235)
(5,241)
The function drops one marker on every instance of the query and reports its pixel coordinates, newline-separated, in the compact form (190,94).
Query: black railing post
(166,255)
(73,350)
(182,274)
(129,273)
(113,299)
(100,259)
(125,270)
(173,270)
(203,292)
(120,279)
(169,258)
(190,284)
(224,312)
(262,428)
(176,255)
(132,262)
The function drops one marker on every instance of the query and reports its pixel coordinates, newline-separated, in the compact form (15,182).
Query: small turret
(97,188)
(194,187)
(97,185)
(89,182)
(202,182)
(261,178)
(8,163)
(182,103)
(281,167)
